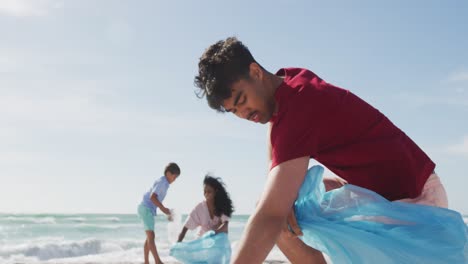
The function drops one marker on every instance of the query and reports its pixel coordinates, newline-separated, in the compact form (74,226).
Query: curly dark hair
(222,64)
(222,200)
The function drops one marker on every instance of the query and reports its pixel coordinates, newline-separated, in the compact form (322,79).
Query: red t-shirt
(345,134)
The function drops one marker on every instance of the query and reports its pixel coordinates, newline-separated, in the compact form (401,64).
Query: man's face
(250,99)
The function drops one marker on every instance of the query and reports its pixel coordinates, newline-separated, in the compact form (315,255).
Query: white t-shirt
(200,217)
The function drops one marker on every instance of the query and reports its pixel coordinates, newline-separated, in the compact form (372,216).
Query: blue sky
(97,96)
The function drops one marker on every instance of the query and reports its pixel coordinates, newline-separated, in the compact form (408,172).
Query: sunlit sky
(96,97)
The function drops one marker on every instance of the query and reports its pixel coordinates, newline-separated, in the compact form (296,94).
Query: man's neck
(273,82)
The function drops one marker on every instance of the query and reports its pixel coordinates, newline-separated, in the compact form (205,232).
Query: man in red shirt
(310,118)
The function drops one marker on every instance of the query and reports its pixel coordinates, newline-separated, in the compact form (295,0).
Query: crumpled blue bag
(211,248)
(355,225)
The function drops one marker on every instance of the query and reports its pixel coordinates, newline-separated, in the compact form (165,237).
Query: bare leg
(297,252)
(146,252)
(152,246)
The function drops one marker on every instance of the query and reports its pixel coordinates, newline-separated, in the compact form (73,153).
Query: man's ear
(256,72)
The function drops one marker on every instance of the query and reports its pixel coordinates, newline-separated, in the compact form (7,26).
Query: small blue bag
(211,248)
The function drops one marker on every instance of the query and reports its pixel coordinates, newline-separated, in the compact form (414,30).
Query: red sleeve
(294,133)
(305,106)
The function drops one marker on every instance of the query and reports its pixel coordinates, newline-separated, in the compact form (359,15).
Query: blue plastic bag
(211,248)
(355,225)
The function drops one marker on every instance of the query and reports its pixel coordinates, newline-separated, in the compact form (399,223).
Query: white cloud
(459,76)
(82,106)
(452,92)
(460,148)
(420,100)
(46,100)
(30,60)
(28,8)
(456,82)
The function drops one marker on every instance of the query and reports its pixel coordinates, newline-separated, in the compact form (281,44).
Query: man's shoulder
(297,84)
(288,72)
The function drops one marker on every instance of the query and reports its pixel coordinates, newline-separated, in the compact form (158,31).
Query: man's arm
(270,215)
(269,155)
(154,199)
(290,227)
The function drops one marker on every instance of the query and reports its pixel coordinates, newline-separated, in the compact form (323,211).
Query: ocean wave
(29,219)
(44,220)
(65,249)
(91,250)
(76,219)
(105,226)
(110,218)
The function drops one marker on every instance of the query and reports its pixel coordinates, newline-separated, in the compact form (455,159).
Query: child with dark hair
(212,217)
(213,213)
(152,200)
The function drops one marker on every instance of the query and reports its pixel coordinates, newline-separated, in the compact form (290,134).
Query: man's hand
(333,182)
(265,225)
(291,228)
